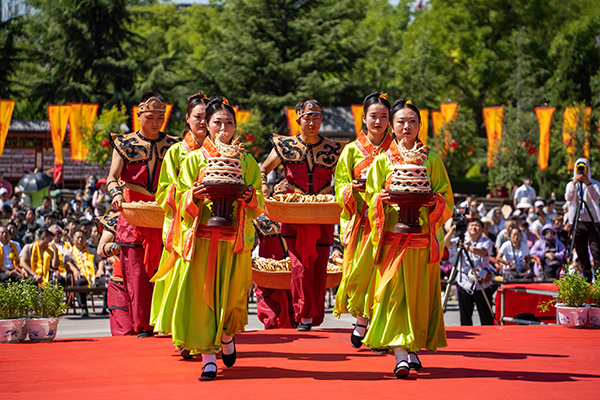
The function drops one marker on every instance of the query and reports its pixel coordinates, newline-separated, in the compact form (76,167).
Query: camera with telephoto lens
(460,219)
(581,168)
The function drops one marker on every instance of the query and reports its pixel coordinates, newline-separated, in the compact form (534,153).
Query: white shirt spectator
(480,264)
(525,191)
(514,256)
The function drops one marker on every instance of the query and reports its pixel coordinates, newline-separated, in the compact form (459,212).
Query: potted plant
(574,292)
(14,307)
(48,304)
(594,310)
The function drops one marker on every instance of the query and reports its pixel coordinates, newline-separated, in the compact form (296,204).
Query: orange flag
(437,122)
(59,118)
(571,119)
(357,114)
(424,126)
(135,122)
(492,116)
(242,116)
(81,118)
(6,110)
(544,117)
(291,117)
(449,112)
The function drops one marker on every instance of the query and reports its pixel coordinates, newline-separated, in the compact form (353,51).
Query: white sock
(207,358)
(306,321)
(227,348)
(359,330)
(401,354)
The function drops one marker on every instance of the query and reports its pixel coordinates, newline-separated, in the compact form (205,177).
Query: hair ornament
(204,96)
(409,102)
(383,96)
(225,101)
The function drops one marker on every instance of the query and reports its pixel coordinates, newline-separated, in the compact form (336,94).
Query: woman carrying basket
(207,303)
(354,294)
(407,313)
(309,160)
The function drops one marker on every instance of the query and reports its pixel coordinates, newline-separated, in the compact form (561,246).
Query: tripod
(463,254)
(580,204)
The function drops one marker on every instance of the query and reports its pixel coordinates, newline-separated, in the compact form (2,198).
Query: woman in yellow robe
(206,302)
(407,314)
(168,198)
(354,295)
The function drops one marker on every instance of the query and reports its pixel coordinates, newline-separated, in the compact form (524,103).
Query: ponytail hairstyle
(218,103)
(401,104)
(192,102)
(374,98)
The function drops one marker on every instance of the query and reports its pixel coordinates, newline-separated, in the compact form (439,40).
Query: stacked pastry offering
(223,170)
(410,178)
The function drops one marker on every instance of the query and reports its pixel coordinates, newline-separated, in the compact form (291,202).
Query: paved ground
(73,326)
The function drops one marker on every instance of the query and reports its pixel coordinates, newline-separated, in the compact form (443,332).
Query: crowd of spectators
(67,224)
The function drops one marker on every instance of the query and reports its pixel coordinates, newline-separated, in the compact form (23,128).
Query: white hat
(524,203)
(539,203)
(3,190)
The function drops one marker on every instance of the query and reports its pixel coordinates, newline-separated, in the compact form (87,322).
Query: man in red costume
(136,161)
(309,160)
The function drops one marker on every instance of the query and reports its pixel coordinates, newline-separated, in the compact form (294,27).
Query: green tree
(10,54)
(270,54)
(79,52)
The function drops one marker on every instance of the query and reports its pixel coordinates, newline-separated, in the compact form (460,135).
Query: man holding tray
(309,161)
(137,159)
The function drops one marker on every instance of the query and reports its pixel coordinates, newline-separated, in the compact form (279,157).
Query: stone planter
(42,329)
(571,317)
(12,330)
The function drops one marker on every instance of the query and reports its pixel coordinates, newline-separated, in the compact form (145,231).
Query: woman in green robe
(407,314)
(354,295)
(167,197)
(207,300)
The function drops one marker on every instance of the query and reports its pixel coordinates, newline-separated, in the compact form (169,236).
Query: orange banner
(449,112)
(6,111)
(242,116)
(135,121)
(544,117)
(492,116)
(291,117)
(437,121)
(424,126)
(571,119)
(357,114)
(81,118)
(58,116)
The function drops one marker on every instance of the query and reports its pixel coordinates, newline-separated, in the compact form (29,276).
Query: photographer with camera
(583,193)
(474,271)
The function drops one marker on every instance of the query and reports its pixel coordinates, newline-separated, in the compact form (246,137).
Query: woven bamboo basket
(282,279)
(144,215)
(303,213)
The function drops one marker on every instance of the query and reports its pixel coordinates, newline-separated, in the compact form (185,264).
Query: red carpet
(515,362)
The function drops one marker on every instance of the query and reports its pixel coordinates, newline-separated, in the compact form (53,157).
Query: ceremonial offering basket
(282,279)
(303,213)
(223,195)
(143,214)
(408,213)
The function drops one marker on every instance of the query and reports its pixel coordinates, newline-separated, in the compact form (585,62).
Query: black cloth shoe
(402,369)
(208,375)
(185,354)
(144,334)
(356,341)
(85,313)
(414,365)
(303,327)
(229,359)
